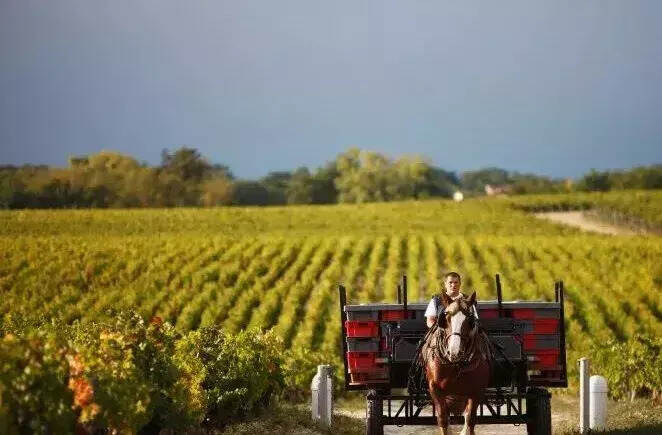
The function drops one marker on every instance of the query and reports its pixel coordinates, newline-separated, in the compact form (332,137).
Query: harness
(435,343)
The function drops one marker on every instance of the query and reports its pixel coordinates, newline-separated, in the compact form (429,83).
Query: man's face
(452,284)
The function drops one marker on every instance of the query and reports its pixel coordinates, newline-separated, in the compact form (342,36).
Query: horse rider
(452,284)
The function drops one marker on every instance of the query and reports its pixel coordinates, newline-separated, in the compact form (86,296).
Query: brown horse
(457,358)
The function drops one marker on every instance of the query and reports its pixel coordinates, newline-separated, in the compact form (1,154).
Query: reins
(469,355)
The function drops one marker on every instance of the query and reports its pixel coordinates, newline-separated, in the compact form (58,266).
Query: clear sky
(551,87)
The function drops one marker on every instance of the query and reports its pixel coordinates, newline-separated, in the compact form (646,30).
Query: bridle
(466,353)
(434,346)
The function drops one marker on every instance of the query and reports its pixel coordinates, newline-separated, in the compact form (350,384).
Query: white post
(583,394)
(598,406)
(322,395)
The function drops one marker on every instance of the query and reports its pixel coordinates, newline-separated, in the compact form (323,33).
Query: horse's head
(458,324)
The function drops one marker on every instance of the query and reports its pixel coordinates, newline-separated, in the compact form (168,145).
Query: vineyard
(636,209)
(278,268)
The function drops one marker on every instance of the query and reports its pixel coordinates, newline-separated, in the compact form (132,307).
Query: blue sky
(553,88)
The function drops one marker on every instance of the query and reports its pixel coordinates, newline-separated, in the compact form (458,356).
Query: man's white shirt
(431,310)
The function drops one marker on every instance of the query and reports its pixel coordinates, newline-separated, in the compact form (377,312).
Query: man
(452,283)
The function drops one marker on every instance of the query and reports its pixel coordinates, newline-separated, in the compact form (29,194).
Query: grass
(641,417)
(289,419)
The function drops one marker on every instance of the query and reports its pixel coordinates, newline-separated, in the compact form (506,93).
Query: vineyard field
(279,268)
(637,209)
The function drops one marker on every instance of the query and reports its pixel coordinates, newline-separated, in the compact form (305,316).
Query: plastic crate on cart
(363,315)
(363,344)
(534,313)
(362,329)
(548,358)
(540,341)
(378,376)
(361,361)
(488,313)
(545,326)
(388,315)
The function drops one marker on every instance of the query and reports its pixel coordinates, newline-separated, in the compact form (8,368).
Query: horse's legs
(440,408)
(470,416)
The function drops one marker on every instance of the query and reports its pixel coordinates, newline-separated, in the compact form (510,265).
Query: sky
(548,87)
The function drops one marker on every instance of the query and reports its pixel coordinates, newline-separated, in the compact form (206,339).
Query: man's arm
(431,314)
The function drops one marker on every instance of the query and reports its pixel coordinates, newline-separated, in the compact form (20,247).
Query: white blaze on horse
(457,360)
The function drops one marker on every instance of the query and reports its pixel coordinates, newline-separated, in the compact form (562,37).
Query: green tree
(185,163)
(250,193)
(181,173)
(363,176)
(324,189)
(217,191)
(642,177)
(475,181)
(408,178)
(276,183)
(530,183)
(300,188)
(595,181)
(440,182)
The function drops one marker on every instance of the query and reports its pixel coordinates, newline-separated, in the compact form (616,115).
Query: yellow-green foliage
(34,396)
(126,373)
(632,366)
(637,208)
(279,267)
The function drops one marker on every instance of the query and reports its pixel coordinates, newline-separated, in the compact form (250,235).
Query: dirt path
(579,220)
(560,416)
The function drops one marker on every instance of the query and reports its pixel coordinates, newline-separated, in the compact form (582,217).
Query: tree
(531,183)
(250,193)
(439,182)
(642,177)
(595,181)
(324,189)
(220,171)
(363,176)
(185,163)
(217,191)
(300,188)
(408,178)
(475,181)
(276,183)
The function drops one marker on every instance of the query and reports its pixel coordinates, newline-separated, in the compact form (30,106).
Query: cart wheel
(374,412)
(539,412)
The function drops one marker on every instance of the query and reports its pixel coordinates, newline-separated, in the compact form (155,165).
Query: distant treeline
(185,178)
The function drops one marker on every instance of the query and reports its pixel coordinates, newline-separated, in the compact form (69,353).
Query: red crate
(377,377)
(395,314)
(546,358)
(547,375)
(488,313)
(537,342)
(361,361)
(362,329)
(545,326)
(524,313)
